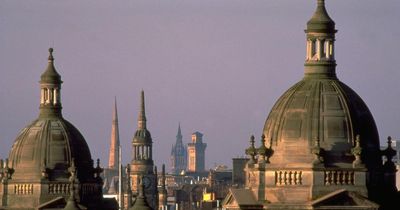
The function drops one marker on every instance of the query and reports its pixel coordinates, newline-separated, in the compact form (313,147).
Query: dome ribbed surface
(52,142)
(326,109)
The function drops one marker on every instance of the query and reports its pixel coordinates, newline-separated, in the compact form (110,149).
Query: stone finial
(262,151)
(72,203)
(317,152)
(269,151)
(251,151)
(389,152)
(357,151)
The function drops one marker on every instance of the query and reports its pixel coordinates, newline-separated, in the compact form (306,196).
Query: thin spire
(179,135)
(142,113)
(114,143)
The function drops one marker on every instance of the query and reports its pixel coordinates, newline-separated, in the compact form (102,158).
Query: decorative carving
(356,151)
(251,151)
(389,152)
(317,152)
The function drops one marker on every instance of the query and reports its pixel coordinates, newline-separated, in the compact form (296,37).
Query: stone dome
(47,146)
(323,109)
(320,112)
(49,143)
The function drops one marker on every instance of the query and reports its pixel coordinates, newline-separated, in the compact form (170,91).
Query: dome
(323,109)
(49,143)
(321,116)
(47,146)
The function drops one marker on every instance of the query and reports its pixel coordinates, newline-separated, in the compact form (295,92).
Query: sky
(214,66)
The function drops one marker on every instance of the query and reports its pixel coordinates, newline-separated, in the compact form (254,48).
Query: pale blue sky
(216,66)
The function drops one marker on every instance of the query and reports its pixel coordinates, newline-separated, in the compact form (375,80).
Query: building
(196,153)
(178,154)
(50,165)
(111,173)
(320,145)
(142,164)
(238,172)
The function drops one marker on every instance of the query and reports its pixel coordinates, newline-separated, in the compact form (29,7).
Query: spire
(142,114)
(114,144)
(50,86)
(179,135)
(320,56)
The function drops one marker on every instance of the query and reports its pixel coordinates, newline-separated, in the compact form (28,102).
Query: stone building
(50,165)
(111,173)
(320,145)
(196,153)
(178,154)
(142,164)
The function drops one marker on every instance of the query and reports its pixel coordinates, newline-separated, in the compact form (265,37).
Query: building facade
(196,153)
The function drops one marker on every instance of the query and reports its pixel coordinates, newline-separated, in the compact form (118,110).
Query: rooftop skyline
(216,67)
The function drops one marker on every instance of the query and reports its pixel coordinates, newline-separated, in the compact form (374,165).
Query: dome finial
(51,58)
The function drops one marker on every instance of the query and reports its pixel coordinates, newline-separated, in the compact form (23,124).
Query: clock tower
(142,164)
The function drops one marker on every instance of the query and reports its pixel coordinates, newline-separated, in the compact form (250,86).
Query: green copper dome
(320,21)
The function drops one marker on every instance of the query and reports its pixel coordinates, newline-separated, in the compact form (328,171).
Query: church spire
(142,114)
(320,56)
(179,135)
(114,144)
(50,86)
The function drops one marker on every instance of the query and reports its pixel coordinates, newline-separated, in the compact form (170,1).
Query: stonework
(320,145)
(44,157)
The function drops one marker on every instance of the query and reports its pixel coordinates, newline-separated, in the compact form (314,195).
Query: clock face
(146,182)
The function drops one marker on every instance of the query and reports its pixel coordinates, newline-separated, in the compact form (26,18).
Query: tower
(196,153)
(113,160)
(36,174)
(178,154)
(320,145)
(162,192)
(142,164)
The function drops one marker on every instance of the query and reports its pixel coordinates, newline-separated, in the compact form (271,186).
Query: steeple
(179,135)
(114,144)
(320,57)
(142,114)
(50,86)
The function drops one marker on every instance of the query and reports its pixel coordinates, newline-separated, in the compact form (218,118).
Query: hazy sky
(215,66)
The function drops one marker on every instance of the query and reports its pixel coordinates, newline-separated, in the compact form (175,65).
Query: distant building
(238,171)
(178,154)
(196,153)
(111,173)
